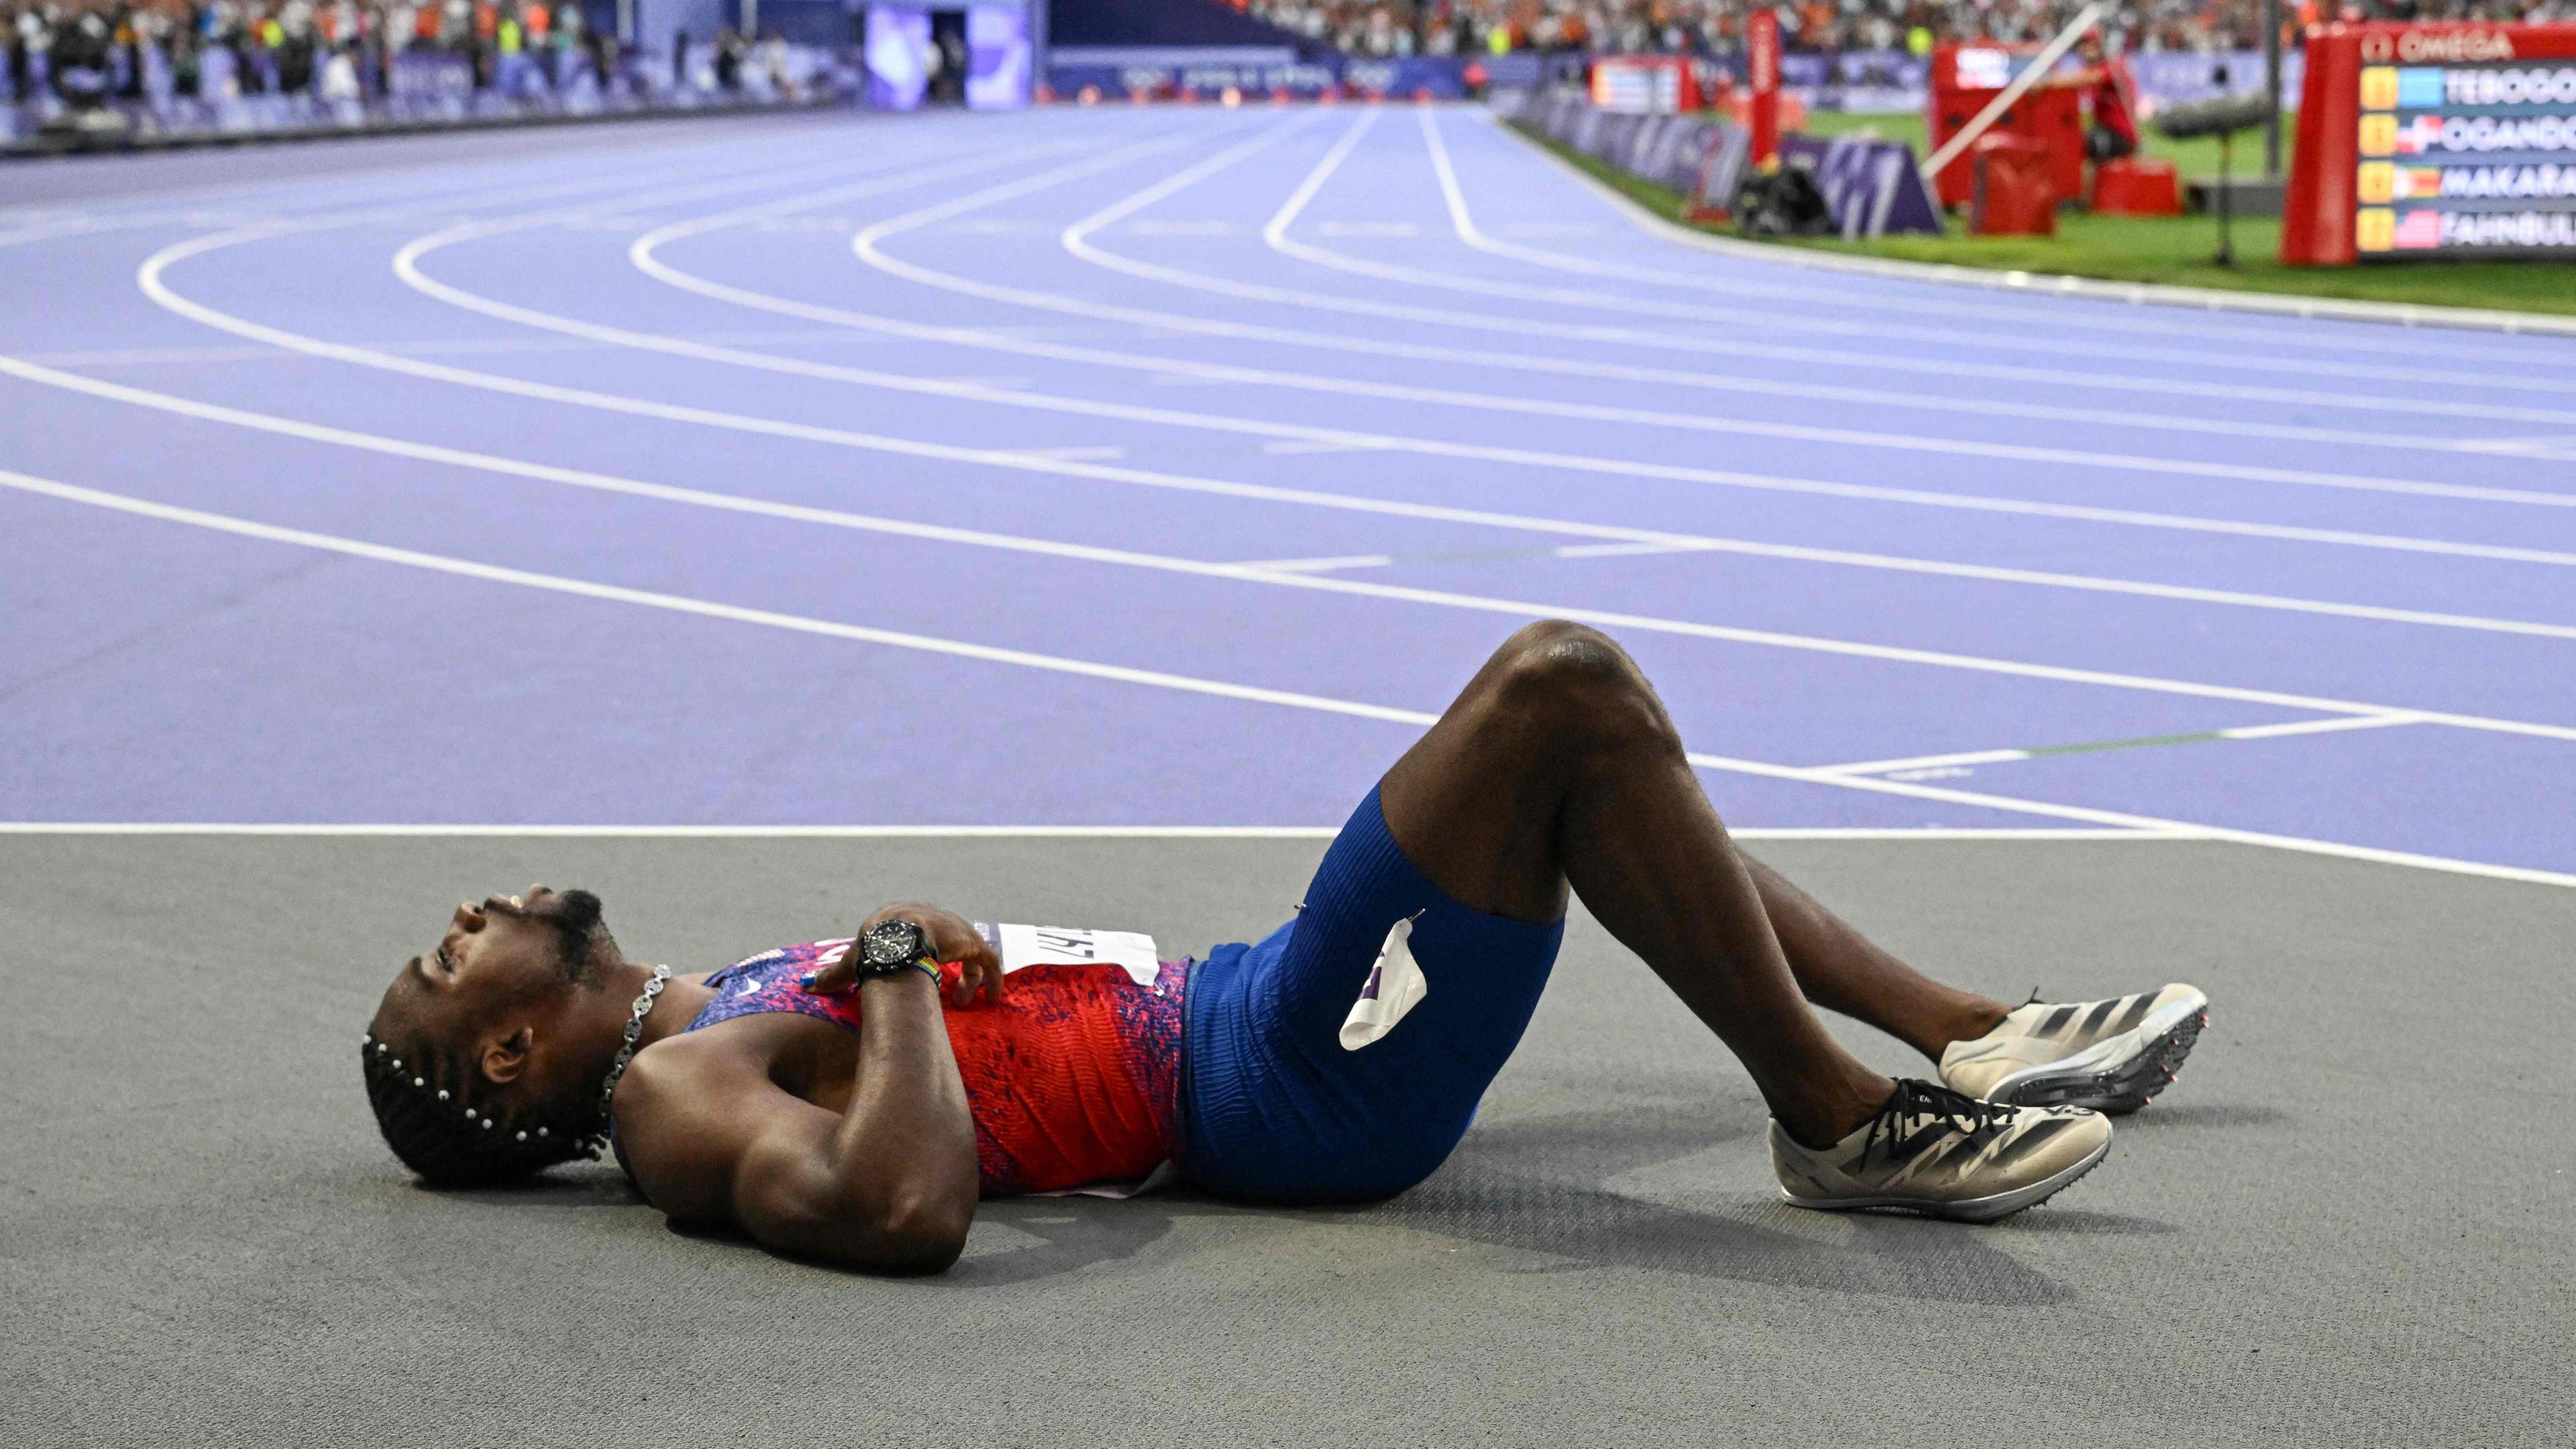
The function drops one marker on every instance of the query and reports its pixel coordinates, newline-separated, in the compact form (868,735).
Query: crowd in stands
(87,51)
(1716,27)
(78,49)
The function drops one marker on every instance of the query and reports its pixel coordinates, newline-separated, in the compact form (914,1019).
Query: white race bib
(1021,947)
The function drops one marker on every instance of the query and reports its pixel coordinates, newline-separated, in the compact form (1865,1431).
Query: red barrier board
(1762,66)
(2442,140)
(1966,77)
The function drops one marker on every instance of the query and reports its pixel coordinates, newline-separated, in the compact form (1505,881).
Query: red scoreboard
(2441,140)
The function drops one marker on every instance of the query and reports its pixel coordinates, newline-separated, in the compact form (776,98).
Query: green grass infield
(2175,250)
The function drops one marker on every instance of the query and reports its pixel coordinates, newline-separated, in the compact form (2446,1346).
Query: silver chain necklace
(634,1032)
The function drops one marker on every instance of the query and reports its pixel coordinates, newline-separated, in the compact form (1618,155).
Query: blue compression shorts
(1275,1110)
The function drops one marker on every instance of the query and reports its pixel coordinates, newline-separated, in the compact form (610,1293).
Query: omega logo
(2442,45)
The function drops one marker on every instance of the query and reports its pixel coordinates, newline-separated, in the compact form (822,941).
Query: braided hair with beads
(432,1122)
(426,1100)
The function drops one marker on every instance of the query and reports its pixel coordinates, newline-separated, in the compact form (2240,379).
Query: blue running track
(1163,467)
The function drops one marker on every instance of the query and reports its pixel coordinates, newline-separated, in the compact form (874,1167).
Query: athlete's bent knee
(1580,681)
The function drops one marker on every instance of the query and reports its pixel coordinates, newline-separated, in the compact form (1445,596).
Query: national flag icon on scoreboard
(2378,135)
(2419,230)
(2374,229)
(2422,134)
(2379,182)
(2379,88)
(2419,87)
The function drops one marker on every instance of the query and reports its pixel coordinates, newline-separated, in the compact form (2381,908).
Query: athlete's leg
(1843,971)
(1558,766)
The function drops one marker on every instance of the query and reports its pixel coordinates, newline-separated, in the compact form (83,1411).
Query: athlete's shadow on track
(1537,1186)
(1540,1185)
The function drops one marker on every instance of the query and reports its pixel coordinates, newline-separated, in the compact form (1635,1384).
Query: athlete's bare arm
(714,1135)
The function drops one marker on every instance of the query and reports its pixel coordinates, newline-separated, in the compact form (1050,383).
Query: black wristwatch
(891,946)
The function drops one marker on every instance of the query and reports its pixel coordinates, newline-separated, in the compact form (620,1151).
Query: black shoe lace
(1896,1124)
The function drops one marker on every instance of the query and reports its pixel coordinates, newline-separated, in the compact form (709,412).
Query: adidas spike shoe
(2112,1056)
(1937,1152)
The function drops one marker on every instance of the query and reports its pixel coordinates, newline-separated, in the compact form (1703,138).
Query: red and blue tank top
(1073,1078)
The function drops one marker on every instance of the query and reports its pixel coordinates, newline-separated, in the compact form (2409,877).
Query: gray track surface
(2350,1223)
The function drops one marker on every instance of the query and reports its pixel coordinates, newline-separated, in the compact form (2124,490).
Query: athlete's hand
(952,938)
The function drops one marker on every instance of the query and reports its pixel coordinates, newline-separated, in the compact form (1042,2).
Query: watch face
(891,943)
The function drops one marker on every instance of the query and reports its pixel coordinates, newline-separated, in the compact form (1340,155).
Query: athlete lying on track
(850,1102)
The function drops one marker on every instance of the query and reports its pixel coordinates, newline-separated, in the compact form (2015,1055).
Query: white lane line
(2320,726)
(471,188)
(1097,472)
(1623,550)
(1463,225)
(978,832)
(2281,307)
(1744,259)
(1903,769)
(866,244)
(1076,454)
(1293,446)
(1519,609)
(406,265)
(1077,239)
(1058,664)
(1931,762)
(705,608)
(1014,460)
(1415,595)
(1002,381)
(2531,447)
(642,253)
(441,347)
(1320,565)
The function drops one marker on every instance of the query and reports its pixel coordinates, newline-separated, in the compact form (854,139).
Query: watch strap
(887,973)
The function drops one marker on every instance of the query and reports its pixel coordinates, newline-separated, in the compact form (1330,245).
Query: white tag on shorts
(1021,947)
(1395,986)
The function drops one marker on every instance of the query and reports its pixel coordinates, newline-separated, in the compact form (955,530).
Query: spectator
(728,59)
(88,53)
